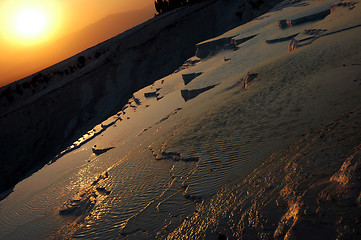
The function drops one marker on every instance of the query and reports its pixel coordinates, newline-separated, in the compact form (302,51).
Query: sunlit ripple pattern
(27,210)
(230,139)
(137,184)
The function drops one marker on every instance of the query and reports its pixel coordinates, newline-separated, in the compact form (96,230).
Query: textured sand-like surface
(311,190)
(169,163)
(231,131)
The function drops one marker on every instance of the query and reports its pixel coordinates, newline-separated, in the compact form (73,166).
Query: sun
(28,22)
(31,22)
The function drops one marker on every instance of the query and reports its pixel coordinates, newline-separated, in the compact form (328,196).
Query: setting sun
(29,22)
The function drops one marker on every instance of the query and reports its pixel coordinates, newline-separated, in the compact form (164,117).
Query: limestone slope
(311,190)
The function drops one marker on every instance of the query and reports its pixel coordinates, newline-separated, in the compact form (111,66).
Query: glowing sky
(57,17)
(29,27)
(28,22)
(82,12)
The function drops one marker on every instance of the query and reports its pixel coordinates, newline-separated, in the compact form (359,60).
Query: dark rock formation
(98,151)
(250,77)
(312,17)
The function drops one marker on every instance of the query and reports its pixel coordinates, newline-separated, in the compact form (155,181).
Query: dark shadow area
(190,94)
(282,39)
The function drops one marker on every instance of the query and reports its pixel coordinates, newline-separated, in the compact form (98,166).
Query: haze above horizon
(35,34)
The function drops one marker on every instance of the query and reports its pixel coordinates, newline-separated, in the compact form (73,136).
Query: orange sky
(82,12)
(21,56)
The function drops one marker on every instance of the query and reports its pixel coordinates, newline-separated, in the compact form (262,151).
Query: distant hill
(102,30)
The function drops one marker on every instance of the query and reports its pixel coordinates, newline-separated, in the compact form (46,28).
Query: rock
(293,45)
(99,151)
(297,21)
(250,77)
(282,23)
